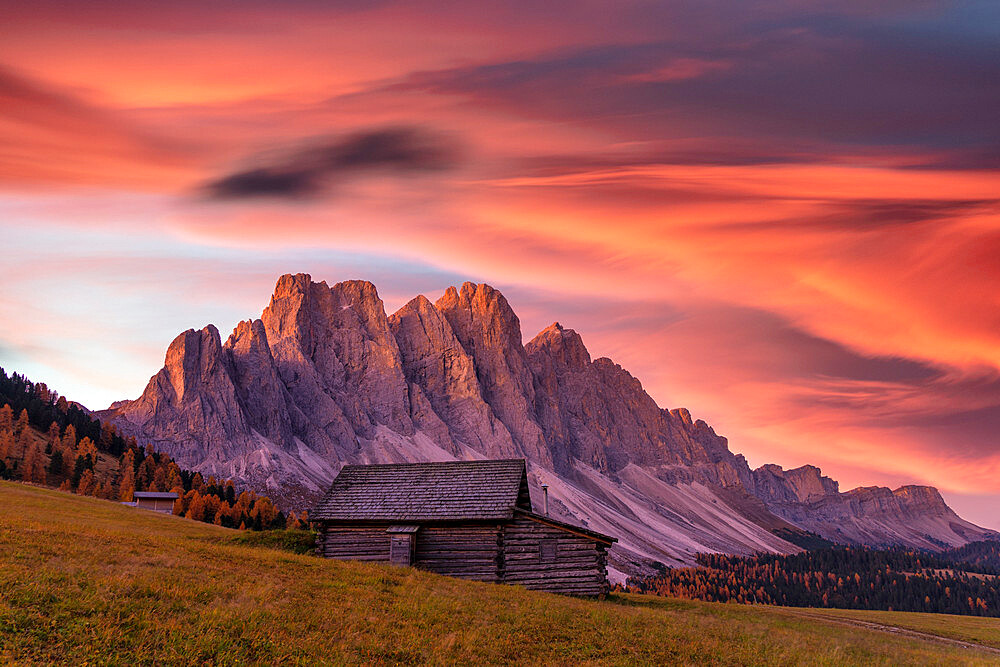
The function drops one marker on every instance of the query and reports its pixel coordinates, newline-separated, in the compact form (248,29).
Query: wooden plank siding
(578,565)
(509,552)
(468,519)
(468,552)
(464,551)
(353,542)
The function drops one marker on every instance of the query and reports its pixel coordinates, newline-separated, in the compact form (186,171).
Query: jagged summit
(564,345)
(325,377)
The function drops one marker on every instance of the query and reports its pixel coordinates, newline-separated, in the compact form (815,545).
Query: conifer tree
(68,460)
(22,423)
(38,473)
(28,463)
(86,447)
(6,444)
(196,510)
(23,444)
(6,419)
(52,438)
(69,438)
(159,480)
(86,485)
(126,480)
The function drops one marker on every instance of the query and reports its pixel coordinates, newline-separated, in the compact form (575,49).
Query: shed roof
(156,494)
(440,491)
(568,527)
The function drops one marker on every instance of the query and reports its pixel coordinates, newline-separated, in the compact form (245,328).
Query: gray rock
(325,378)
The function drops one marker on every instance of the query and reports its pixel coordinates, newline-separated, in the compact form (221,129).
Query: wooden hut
(469,519)
(158,501)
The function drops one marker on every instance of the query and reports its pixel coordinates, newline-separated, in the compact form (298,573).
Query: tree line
(961,581)
(45,439)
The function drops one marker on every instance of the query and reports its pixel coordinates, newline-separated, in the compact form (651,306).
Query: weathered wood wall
(469,552)
(579,565)
(457,550)
(509,553)
(164,505)
(353,542)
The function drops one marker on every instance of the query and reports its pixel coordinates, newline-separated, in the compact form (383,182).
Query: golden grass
(985,631)
(87,581)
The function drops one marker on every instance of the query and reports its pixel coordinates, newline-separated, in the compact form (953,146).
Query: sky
(783,215)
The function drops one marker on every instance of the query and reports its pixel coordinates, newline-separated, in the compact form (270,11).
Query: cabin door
(401,549)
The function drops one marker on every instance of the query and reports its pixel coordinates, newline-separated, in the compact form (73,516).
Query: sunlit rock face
(325,378)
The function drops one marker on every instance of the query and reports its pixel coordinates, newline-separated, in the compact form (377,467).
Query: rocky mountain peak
(484,308)
(325,377)
(290,285)
(361,297)
(803,484)
(564,346)
(489,331)
(191,356)
(683,415)
(925,499)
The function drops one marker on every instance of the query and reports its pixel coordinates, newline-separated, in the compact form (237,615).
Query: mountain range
(326,377)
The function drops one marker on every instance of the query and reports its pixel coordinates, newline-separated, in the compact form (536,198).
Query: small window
(547,549)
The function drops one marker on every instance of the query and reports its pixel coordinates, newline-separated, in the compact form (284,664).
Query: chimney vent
(545,497)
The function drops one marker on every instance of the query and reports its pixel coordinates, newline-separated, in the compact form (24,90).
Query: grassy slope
(985,631)
(82,578)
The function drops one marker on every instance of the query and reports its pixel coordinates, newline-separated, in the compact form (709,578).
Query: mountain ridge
(326,377)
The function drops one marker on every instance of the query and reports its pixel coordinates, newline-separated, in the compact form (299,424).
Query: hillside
(844,577)
(326,377)
(57,443)
(88,578)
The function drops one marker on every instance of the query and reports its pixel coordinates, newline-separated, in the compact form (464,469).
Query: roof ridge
(431,463)
(428,490)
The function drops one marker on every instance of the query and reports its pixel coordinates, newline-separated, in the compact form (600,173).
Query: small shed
(469,519)
(158,501)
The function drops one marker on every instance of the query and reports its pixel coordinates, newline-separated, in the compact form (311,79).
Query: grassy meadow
(87,581)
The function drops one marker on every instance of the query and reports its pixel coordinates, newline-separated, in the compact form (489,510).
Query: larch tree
(159,480)
(38,473)
(86,447)
(68,460)
(196,510)
(86,485)
(28,463)
(24,442)
(69,438)
(6,418)
(52,438)
(22,423)
(6,444)
(126,477)
(174,478)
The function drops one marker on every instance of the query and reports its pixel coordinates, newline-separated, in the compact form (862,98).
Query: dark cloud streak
(798,82)
(308,171)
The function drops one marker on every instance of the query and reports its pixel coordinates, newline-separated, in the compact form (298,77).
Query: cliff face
(325,377)
(915,516)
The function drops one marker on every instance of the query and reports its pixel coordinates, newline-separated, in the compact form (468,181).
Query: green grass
(296,541)
(89,581)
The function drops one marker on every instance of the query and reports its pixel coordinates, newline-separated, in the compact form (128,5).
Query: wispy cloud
(785,219)
(309,170)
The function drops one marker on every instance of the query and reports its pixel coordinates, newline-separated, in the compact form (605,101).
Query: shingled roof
(441,491)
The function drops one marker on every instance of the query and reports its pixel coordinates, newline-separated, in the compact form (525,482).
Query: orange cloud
(793,230)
